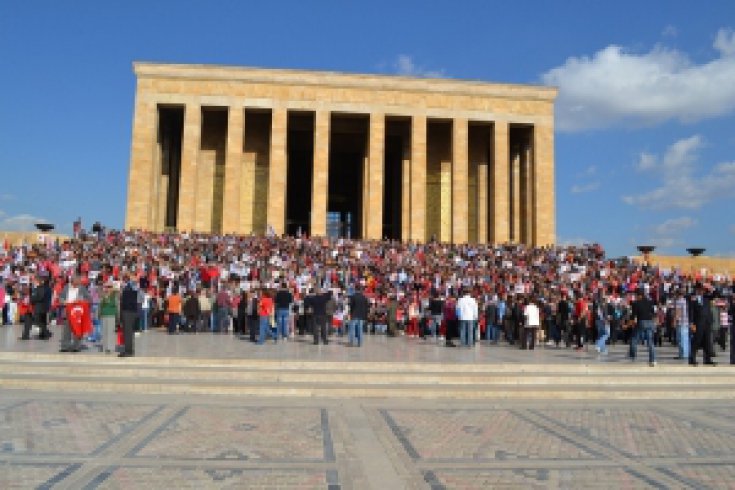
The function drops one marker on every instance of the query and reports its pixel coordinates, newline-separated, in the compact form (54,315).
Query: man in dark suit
(318,304)
(40,302)
(700,319)
(359,307)
(129,315)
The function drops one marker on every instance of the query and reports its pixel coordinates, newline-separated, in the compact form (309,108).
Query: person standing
(206,306)
(681,323)
(700,319)
(491,315)
(531,324)
(39,308)
(467,314)
(436,308)
(283,301)
(602,324)
(192,312)
(253,318)
(72,292)
(109,317)
(129,308)
(265,313)
(359,307)
(174,310)
(643,314)
(318,305)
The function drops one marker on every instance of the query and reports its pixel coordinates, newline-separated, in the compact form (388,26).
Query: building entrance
(347,163)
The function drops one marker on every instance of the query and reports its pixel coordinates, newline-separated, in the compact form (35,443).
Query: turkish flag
(79,318)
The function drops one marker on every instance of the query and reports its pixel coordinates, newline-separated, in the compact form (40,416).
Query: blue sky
(645,143)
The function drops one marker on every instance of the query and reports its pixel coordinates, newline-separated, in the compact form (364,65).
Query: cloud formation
(617,87)
(680,185)
(404,65)
(584,188)
(674,226)
(20,222)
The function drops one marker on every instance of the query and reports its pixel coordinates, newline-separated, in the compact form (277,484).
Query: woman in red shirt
(265,312)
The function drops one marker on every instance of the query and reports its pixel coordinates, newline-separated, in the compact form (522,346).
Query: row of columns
(498,183)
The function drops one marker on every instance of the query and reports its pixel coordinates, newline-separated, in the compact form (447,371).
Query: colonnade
(493,184)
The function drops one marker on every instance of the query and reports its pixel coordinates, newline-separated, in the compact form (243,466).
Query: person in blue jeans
(283,301)
(602,323)
(359,308)
(643,313)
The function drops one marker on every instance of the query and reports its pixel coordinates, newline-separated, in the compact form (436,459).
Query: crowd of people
(270,288)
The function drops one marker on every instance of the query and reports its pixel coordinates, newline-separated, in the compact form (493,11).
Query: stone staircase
(293,378)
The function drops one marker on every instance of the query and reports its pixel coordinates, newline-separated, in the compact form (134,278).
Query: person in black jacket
(700,319)
(129,316)
(40,302)
(192,312)
(359,308)
(318,304)
(643,314)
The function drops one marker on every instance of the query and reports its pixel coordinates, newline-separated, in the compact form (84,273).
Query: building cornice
(342,80)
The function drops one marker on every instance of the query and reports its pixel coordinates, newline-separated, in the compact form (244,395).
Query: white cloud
(670,31)
(574,242)
(617,87)
(674,226)
(646,161)
(20,222)
(725,42)
(404,65)
(681,187)
(584,188)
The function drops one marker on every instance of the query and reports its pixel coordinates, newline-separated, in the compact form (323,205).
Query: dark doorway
(347,150)
(300,147)
(170,134)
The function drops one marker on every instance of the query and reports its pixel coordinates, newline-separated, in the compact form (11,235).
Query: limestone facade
(258,150)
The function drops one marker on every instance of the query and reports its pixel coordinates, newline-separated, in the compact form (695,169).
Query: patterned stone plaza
(92,441)
(54,436)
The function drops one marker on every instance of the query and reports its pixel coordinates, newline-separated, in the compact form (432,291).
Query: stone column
(276,214)
(460,181)
(515,196)
(189,156)
(406,194)
(233,171)
(482,202)
(418,179)
(528,195)
(445,195)
(544,214)
(500,197)
(142,158)
(320,180)
(376,152)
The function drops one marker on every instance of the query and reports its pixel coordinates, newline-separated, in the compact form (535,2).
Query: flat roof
(145,69)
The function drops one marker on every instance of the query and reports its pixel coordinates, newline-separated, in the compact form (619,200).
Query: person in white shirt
(532,322)
(467,314)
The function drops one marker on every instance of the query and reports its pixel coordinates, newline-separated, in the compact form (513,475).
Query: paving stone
(536,479)
(245,434)
(32,475)
(201,478)
(477,435)
(66,427)
(644,432)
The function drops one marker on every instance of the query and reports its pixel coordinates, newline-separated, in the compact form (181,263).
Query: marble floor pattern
(66,440)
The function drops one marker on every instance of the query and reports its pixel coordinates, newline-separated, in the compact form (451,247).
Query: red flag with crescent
(79,318)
